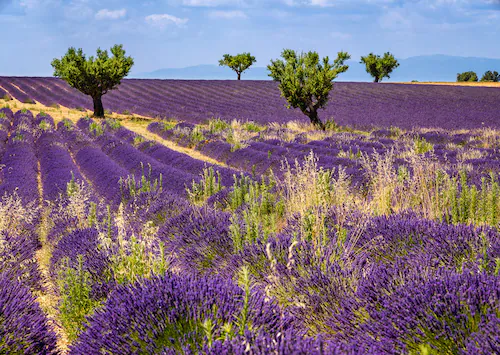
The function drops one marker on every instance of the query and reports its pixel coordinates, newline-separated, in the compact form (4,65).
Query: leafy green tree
(239,63)
(467,76)
(490,76)
(93,76)
(380,67)
(305,82)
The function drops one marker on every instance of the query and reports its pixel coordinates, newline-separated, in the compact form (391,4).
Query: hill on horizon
(422,68)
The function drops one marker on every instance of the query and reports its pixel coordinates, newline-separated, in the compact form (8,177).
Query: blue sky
(179,33)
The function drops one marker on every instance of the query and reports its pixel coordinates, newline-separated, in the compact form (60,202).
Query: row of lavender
(354,104)
(266,151)
(24,327)
(31,147)
(262,272)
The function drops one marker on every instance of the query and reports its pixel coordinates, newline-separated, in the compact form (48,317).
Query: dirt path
(135,123)
(48,298)
(141,128)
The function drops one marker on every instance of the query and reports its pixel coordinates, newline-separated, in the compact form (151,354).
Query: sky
(180,33)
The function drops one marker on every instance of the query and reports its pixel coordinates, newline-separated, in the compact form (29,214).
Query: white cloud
(78,11)
(397,19)
(34,4)
(211,3)
(163,20)
(235,14)
(105,14)
(329,3)
(341,35)
(29,3)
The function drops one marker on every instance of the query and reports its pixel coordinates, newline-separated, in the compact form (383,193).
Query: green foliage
(126,112)
(130,265)
(68,124)
(129,187)
(194,135)
(43,125)
(245,283)
(167,126)
(305,82)
(29,101)
(93,76)
(380,67)
(466,204)
(421,146)
(18,137)
(72,186)
(76,304)
(239,63)
(234,139)
(138,140)
(466,76)
(112,123)
(96,129)
(261,212)
(3,115)
(6,97)
(55,105)
(216,125)
(209,185)
(490,76)
(331,125)
(24,110)
(253,127)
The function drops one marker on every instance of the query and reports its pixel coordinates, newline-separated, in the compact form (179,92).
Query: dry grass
(140,127)
(60,113)
(135,123)
(451,83)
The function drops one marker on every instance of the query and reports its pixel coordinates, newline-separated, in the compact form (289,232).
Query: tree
(490,76)
(380,67)
(239,63)
(93,76)
(467,76)
(305,82)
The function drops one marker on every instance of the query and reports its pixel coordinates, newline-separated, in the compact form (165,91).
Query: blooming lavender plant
(177,313)
(355,104)
(96,260)
(24,327)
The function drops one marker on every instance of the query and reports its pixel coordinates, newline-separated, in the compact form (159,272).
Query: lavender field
(354,104)
(290,241)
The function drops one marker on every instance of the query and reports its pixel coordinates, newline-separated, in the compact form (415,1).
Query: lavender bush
(24,327)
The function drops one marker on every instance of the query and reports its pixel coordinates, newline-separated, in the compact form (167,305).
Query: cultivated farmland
(354,104)
(223,223)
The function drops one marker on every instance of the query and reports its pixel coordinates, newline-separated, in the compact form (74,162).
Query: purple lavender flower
(450,313)
(174,312)
(23,326)
(95,261)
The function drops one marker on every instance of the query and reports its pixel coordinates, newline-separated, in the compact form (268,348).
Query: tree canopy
(490,76)
(467,76)
(305,81)
(93,76)
(380,67)
(239,63)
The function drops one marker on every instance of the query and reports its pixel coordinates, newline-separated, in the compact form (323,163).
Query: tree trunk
(376,79)
(239,76)
(313,116)
(98,108)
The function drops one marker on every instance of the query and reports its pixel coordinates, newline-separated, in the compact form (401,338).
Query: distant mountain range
(421,68)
